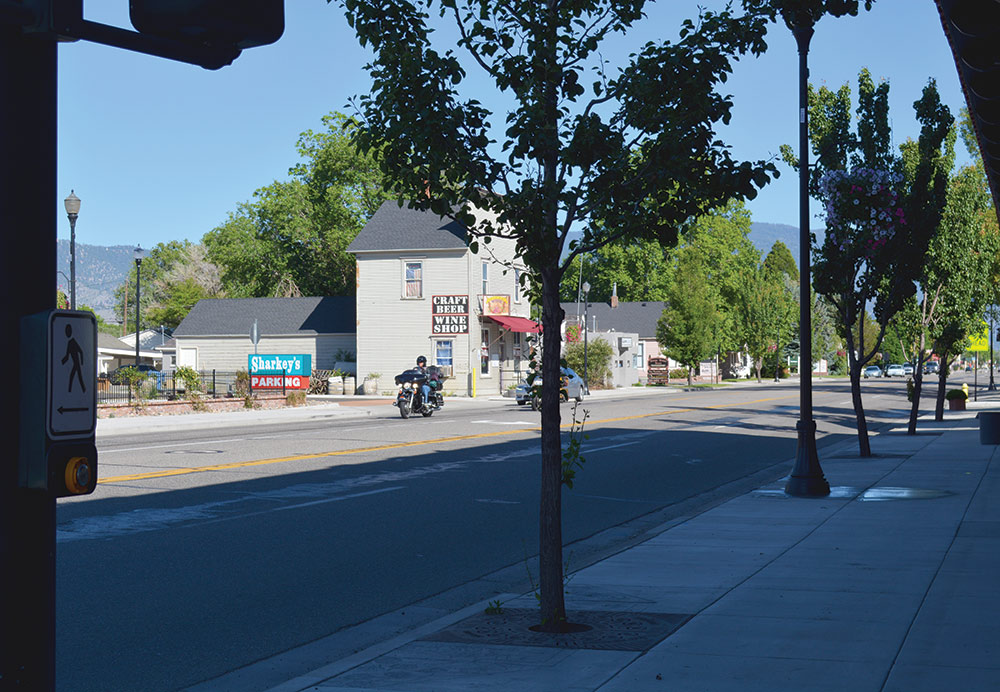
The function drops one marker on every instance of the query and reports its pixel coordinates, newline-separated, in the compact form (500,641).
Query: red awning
(517,324)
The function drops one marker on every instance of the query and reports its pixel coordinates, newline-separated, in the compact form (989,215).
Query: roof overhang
(973,31)
(517,324)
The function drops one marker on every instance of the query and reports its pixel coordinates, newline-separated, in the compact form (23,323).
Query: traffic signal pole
(27,271)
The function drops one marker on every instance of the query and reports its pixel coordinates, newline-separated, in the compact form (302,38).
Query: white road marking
(601,449)
(186,444)
(533,424)
(498,502)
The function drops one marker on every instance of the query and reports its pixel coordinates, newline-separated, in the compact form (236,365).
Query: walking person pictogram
(74,351)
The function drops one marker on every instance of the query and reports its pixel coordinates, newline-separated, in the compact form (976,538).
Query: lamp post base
(807,478)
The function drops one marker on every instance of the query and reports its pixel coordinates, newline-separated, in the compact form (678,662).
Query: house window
(639,358)
(413,280)
(484,354)
(486,278)
(443,352)
(517,285)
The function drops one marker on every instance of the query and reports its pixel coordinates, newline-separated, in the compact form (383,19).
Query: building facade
(422,291)
(215,335)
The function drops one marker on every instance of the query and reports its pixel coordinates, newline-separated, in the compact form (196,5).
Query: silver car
(572,384)
(873,371)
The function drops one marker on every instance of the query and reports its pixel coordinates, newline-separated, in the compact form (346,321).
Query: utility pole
(27,265)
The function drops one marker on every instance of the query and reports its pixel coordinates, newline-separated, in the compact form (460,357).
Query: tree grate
(609,630)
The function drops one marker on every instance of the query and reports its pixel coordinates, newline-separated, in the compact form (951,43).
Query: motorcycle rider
(425,388)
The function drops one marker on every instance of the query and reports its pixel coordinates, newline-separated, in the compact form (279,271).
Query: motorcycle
(410,398)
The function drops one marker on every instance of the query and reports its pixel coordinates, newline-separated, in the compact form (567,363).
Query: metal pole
(777,357)
(138,264)
(586,328)
(28,223)
(807,478)
(72,261)
(992,387)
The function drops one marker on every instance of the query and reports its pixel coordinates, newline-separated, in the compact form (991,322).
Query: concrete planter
(956,404)
(989,427)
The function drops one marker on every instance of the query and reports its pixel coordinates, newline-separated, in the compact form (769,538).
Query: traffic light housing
(239,23)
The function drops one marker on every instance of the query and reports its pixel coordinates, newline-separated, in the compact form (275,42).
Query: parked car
(907,369)
(571,382)
(895,370)
(931,367)
(872,371)
(117,375)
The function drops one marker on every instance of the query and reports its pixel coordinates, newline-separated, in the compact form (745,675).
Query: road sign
(71,375)
(981,341)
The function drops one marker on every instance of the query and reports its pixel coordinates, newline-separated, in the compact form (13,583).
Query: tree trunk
(690,376)
(945,366)
(552,601)
(864,447)
(918,379)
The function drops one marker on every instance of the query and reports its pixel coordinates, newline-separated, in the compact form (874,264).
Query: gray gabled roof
(638,317)
(275,316)
(395,227)
(110,342)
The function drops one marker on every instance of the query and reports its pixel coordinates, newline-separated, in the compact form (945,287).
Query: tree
(190,278)
(686,331)
(878,224)
(780,259)
(290,240)
(155,266)
(638,271)
(629,156)
(962,269)
(763,311)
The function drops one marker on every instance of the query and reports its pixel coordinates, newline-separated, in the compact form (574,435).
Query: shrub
(598,367)
(190,378)
(679,374)
(956,394)
(296,398)
(241,387)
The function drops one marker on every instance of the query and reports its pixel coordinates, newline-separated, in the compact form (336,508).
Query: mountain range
(100,269)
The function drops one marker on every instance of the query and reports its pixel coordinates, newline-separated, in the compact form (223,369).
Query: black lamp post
(992,387)
(72,204)
(807,478)
(777,357)
(586,328)
(138,253)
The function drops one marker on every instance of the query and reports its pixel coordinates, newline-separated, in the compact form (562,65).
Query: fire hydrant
(965,388)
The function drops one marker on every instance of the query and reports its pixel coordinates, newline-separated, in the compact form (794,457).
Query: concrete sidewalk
(888,584)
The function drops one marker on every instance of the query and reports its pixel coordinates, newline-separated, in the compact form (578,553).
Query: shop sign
(496,305)
(449,324)
(280,371)
(450,305)
(450,314)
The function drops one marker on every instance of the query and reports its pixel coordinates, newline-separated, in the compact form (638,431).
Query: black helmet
(421,360)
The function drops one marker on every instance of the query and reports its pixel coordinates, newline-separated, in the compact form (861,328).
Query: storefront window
(517,285)
(486,278)
(413,280)
(484,356)
(639,360)
(443,352)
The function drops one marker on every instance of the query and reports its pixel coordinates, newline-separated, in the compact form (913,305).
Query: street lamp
(72,204)
(807,478)
(138,253)
(586,328)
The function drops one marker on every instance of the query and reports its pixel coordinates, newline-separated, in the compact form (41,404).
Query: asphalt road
(204,551)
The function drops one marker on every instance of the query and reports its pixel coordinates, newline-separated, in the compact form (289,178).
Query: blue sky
(162,151)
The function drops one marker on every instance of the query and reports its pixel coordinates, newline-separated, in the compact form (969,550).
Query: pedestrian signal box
(58,371)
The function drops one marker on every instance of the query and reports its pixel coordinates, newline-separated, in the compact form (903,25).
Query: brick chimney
(614,294)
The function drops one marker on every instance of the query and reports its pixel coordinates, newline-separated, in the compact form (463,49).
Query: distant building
(421,291)
(215,335)
(631,328)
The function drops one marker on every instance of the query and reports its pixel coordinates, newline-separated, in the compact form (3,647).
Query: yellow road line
(396,445)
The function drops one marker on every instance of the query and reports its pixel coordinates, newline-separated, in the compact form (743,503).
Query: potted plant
(335,385)
(956,399)
(371,383)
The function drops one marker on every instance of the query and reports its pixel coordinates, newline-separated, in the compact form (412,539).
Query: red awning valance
(517,324)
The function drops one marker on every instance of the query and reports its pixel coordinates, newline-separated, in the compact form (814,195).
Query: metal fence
(163,386)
